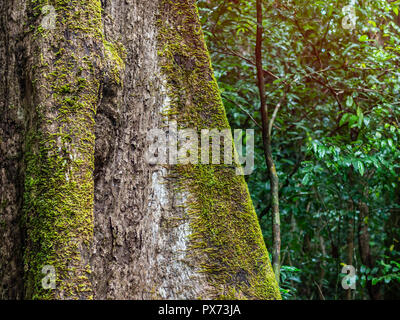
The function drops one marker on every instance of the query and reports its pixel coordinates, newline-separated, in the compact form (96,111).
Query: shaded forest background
(333,89)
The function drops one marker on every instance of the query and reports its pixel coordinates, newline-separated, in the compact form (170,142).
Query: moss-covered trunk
(90,205)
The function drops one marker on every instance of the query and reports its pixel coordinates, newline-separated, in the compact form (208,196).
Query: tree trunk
(323,264)
(350,247)
(365,250)
(77,193)
(266,138)
(13,90)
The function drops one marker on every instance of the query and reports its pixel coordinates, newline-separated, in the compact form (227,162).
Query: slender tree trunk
(79,101)
(365,249)
(273,176)
(350,246)
(323,267)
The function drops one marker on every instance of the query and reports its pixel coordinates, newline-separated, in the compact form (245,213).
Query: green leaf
(306,179)
(344,119)
(360,117)
(360,167)
(349,101)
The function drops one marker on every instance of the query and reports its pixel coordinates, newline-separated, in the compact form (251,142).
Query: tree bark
(350,245)
(13,90)
(78,103)
(322,267)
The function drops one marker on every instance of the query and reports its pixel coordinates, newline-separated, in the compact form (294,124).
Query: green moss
(115,53)
(58,198)
(225,230)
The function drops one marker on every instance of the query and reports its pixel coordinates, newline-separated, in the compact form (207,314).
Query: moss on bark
(225,231)
(66,71)
(65,74)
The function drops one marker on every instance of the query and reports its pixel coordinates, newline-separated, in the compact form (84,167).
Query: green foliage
(289,276)
(336,137)
(383,272)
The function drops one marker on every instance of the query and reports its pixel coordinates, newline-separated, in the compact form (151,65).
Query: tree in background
(335,139)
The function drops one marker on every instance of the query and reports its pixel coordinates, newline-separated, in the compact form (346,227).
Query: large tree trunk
(13,90)
(77,103)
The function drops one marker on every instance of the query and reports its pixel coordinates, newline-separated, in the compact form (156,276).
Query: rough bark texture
(139,240)
(12,99)
(77,104)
